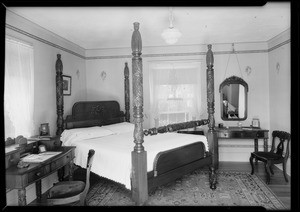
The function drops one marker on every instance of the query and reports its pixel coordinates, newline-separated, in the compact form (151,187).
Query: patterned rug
(233,189)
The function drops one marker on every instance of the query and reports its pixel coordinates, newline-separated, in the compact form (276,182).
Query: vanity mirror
(233,93)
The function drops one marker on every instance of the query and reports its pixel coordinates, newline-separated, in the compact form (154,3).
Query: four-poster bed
(170,162)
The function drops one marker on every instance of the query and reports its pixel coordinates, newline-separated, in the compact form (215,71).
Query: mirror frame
(234,80)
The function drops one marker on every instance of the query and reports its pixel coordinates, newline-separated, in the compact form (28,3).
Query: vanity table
(245,133)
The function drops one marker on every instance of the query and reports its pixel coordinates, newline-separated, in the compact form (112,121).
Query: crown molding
(144,55)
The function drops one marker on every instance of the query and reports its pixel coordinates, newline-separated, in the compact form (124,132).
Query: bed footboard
(171,164)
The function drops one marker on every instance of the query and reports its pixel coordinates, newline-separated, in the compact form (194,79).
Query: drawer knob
(68,156)
(38,174)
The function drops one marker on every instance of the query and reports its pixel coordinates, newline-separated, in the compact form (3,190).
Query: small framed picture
(42,148)
(255,122)
(67,85)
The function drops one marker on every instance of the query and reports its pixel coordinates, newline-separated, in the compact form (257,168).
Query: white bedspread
(113,152)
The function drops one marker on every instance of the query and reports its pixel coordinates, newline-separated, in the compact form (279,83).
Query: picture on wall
(66,85)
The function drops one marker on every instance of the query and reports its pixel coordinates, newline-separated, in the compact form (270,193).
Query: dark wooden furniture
(275,155)
(245,133)
(20,178)
(141,180)
(12,156)
(67,192)
(194,131)
(94,113)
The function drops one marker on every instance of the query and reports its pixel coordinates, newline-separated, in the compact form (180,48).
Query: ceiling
(111,27)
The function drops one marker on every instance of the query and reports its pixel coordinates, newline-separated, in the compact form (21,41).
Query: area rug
(233,189)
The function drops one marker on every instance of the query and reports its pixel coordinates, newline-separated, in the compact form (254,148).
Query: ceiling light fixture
(171,34)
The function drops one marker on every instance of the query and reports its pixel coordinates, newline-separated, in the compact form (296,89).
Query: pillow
(77,134)
(118,128)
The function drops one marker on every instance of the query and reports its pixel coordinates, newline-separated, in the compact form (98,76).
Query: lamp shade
(171,35)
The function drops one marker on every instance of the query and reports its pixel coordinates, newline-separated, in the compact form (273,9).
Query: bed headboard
(94,113)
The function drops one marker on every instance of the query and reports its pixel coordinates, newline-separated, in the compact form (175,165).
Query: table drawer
(261,134)
(61,161)
(38,174)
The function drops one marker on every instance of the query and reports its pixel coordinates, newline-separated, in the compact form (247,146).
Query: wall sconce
(78,73)
(103,75)
(248,70)
(277,67)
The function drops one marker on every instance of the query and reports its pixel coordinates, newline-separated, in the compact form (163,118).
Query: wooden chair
(67,192)
(272,157)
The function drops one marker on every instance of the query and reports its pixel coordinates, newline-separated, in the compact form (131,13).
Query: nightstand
(52,143)
(195,131)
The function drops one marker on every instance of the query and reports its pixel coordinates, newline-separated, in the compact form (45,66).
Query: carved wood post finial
(136,40)
(209,56)
(59,95)
(127,93)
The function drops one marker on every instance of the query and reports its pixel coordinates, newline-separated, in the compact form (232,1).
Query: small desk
(245,133)
(20,178)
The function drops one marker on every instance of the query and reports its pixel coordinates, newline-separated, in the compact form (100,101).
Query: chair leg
(267,167)
(284,171)
(252,166)
(271,169)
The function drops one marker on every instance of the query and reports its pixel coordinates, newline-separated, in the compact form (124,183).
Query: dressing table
(245,133)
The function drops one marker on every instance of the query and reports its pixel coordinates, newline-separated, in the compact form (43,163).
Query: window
(18,89)
(175,92)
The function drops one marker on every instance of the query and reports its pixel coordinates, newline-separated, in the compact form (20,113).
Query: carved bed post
(211,134)
(59,95)
(127,93)
(139,183)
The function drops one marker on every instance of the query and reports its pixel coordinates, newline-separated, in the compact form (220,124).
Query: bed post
(59,95)
(127,94)
(139,183)
(211,134)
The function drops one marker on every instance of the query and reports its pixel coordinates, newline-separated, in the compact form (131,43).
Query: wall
(280,84)
(46,47)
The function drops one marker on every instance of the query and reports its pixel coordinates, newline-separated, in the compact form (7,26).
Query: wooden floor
(278,185)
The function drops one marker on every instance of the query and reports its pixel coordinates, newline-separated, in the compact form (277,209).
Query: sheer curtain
(18,89)
(175,92)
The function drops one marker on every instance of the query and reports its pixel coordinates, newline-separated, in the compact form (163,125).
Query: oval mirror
(233,93)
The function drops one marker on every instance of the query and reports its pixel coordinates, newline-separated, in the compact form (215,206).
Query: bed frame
(168,165)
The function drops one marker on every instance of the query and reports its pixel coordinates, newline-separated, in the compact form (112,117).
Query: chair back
(283,137)
(88,170)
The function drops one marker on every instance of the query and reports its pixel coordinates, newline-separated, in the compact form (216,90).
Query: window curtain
(175,92)
(18,89)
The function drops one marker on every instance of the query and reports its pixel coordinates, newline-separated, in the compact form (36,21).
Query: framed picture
(67,85)
(42,148)
(255,122)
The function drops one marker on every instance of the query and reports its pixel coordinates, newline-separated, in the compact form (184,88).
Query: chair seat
(267,155)
(66,189)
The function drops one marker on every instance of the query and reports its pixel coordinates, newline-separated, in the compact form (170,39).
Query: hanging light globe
(171,34)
